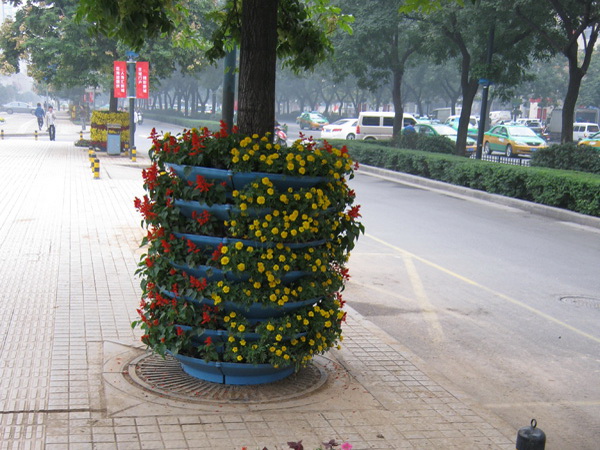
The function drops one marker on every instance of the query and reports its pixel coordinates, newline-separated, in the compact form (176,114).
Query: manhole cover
(166,378)
(589,302)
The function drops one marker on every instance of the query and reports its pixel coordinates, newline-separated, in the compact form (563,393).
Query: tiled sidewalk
(69,245)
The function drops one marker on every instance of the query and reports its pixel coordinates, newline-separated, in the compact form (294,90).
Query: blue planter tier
(233,373)
(214,274)
(255,312)
(214,242)
(238,180)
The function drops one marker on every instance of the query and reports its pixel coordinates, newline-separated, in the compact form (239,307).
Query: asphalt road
(502,303)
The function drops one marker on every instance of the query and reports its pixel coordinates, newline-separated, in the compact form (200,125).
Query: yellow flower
(231,339)
(239,245)
(224,260)
(241,267)
(241,328)
(224,249)
(270,327)
(240,357)
(260,200)
(226,289)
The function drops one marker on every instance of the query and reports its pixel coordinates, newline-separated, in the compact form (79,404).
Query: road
(503,304)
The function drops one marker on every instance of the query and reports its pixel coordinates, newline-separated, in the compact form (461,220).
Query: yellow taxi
(592,141)
(512,140)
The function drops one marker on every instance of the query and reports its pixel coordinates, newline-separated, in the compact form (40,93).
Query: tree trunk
(469,92)
(256,87)
(568,112)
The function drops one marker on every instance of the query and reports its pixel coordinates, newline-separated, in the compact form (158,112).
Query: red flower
(150,175)
(206,318)
(354,212)
(202,185)
(208,341)
(217,253)
(179,331)
(201,218)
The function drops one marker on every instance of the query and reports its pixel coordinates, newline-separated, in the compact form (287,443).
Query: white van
(583,130)
(379,125)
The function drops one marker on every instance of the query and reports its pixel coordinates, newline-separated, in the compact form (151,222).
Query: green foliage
(302,31)
(579,192)
(176,118)
(568,156)
(433,144)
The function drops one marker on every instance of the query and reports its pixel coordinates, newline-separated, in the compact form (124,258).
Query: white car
(341,129)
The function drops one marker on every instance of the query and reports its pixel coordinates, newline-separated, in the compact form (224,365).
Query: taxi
(592,141)
(512,140)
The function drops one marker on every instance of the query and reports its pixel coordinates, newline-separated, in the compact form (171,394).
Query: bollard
(36,134)
(91,154)
(531,438)
(81,135)
(133,154)
(96,168)
(1,134)
(126,150)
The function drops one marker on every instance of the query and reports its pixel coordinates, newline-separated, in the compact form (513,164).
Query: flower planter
(252,256)
(233,373)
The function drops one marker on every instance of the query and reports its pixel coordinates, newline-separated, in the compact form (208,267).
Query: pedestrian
(40,113)
(409,129)
(50,118)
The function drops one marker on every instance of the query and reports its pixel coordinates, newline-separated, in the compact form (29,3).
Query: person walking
(40,114)
(50,119)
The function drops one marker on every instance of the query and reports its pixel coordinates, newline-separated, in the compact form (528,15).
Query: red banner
(142,79)
(120,74)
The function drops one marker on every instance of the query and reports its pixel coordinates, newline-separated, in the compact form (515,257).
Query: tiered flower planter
(244,268)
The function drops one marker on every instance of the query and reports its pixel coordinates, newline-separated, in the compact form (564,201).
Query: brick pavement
(69,246)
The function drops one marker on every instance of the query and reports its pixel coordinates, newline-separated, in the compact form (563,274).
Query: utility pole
(484,95)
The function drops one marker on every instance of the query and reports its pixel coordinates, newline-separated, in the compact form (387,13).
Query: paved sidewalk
(69,245)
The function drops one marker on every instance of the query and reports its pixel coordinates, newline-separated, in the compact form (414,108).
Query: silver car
(17,107)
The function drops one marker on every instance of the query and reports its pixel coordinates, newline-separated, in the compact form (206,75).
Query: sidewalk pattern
(69,245)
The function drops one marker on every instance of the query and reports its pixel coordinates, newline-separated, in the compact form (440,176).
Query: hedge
(187,122)
(575,191)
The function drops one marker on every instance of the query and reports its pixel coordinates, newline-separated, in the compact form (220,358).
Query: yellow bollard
(36,134)
(1,134)
(96,168)
(91,154)
(81,135)
(133,154)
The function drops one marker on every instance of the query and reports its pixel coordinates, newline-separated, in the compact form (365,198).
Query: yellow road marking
(489,290)
(435,329)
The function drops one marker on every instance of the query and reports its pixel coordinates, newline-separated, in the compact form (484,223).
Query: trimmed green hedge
(571,156)
(575,191)
(162,116)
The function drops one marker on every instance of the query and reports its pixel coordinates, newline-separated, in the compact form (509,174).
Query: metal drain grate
(165,377)
(588,302)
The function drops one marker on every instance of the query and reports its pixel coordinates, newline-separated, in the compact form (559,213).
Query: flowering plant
(219,250)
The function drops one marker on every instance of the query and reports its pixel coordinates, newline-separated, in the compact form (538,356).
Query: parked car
(379,125)
(18,107)
(592,141)
(535,124)
(443,130)
(583,130)
(472,129)
(512,140)
(340,129)
(311,120)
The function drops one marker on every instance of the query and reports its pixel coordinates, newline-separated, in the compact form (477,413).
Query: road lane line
(435,329)
(489,290)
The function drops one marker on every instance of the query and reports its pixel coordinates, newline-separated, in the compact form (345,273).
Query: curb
(434,185)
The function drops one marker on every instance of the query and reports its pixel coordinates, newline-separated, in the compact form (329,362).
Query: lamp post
(131,95)
(484,95)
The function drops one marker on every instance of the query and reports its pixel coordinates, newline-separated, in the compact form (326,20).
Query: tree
(379,49)
(452,32)
(563,25)
(300,36)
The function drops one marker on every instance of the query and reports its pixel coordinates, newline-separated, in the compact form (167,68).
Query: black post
(131,96)
(229,89)
(484,94)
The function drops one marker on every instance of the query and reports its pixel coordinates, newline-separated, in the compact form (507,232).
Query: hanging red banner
(142,79)
(120,74)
